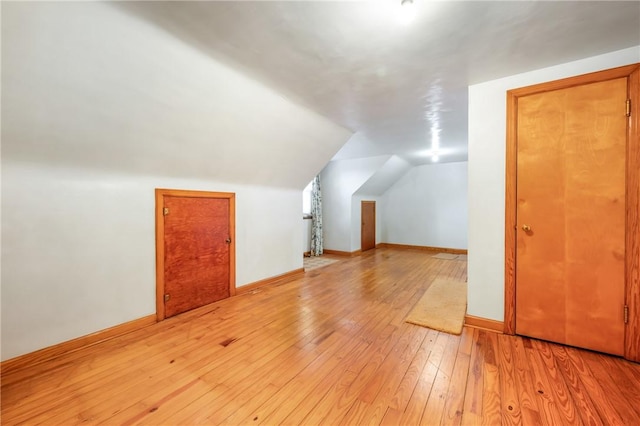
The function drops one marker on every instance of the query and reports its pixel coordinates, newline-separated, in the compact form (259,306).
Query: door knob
(526,228)
(228,240)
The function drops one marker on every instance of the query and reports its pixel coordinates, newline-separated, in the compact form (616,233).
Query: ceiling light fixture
(406,12)
(435,143)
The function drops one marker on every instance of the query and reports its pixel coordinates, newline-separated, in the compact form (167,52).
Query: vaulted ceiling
(399,86)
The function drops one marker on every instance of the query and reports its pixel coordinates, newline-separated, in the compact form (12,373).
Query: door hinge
(628,108)
(167,297)
(165,211)
(626,314)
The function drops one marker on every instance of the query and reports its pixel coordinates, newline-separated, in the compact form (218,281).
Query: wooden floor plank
(416,405)
(511,410)
(561,396)
(619,400)
(491,399)
(291,393)
(196,363)
(331,347)
(403,393)
(237,405)
(472,407)
(454,399)
(593,389)
(584,405)
(622,373)
(529,403)
(391,417)
(326,346)
(374,399)
(548,410)
(434,410)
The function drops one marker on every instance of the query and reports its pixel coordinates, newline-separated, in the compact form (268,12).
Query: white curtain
(316,218)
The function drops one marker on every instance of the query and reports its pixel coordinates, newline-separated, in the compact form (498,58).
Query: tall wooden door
(570,241)
(368,230)
(196,238)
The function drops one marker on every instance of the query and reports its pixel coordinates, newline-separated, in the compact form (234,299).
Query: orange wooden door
(368,230)
(570,245)
(197,251)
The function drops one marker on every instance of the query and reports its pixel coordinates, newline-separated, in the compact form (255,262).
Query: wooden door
(368,230)
(570,243)
(195,235)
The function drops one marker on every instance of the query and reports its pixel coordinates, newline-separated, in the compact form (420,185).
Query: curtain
(316,218)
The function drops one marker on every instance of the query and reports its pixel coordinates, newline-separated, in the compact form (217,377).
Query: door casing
(632,243)
(160,193)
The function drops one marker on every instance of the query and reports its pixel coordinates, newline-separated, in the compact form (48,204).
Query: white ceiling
(393,84)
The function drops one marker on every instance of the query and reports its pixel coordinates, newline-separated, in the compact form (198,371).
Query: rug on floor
(442,307)
(445,256)
(315,262)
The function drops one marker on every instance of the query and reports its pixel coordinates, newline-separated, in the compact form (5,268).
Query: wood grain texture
(580,80)
(183,228)
(570,271)
(632,255)
(31,360)
(196,255)
(511,169)
(368,225)
(585,406)
(530,404)
(561,394)
(326,348)
(632,336)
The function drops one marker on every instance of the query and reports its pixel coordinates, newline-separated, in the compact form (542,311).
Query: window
(306,201)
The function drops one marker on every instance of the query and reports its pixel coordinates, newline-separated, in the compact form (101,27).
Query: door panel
(368,230)
(571,153)
(196,252)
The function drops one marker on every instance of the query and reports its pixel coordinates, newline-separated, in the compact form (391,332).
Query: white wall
(339,180)
(428,207)
(79,248)
(372,190)
(487,138)
(99,109)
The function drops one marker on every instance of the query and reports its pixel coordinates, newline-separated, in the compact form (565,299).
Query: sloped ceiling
(87,85)
(397,86)
(392,170)
(83,83)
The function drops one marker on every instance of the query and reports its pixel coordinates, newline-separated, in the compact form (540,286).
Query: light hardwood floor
(329,348)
